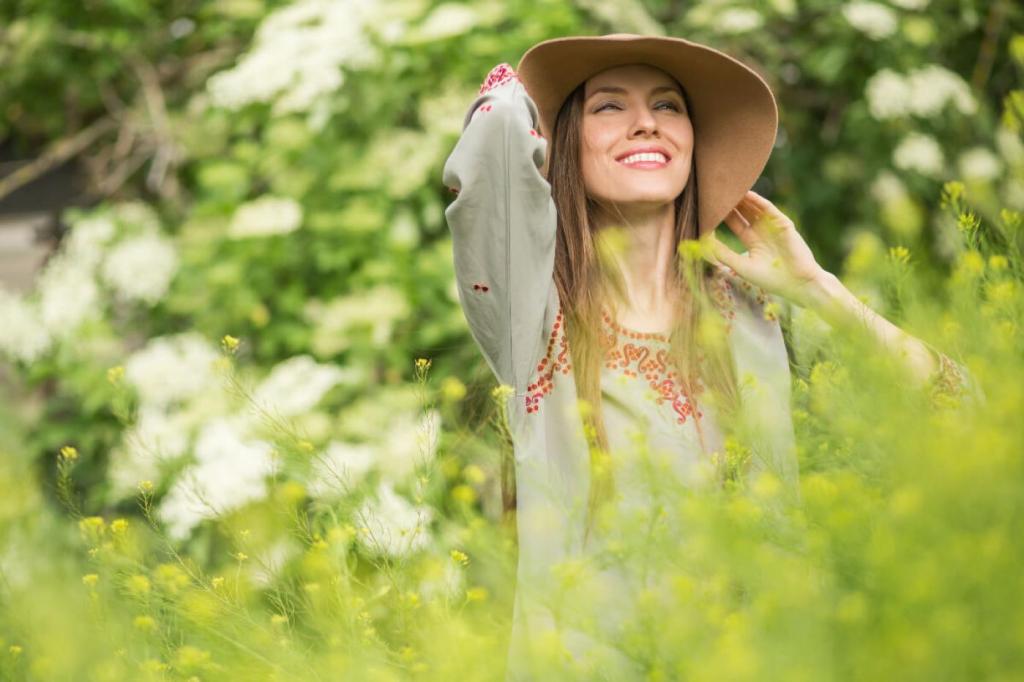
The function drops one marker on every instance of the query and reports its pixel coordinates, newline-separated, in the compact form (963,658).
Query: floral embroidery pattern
(723,294)
(549,365)
(625,350)
(635,359)
(499,75)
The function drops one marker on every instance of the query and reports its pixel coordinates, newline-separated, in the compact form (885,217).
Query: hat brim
(732,109)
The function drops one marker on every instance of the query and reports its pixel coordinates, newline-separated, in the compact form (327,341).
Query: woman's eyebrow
(622,91)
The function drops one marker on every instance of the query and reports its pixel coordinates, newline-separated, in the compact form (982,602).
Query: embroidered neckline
(632,333)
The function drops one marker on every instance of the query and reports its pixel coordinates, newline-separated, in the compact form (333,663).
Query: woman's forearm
(838,306)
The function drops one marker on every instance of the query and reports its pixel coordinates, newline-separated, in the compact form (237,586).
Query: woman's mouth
(645,160)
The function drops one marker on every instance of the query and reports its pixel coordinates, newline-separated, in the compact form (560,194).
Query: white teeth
(646,156)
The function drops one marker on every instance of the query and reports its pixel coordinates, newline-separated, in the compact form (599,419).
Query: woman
(580,178)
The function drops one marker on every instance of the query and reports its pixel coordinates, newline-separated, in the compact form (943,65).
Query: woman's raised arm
(503,225)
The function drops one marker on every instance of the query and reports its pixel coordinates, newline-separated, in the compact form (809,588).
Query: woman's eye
(610,104)
(671,104)
(607,104)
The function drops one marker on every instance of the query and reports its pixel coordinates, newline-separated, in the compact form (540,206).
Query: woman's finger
(740,227)
(748,210)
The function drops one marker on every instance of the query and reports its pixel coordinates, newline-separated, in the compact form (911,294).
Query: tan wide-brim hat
(732,109)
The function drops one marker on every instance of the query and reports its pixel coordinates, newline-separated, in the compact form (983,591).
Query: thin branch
(59,152)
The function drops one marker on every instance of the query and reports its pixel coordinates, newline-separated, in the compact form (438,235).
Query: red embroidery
(535,133)
(549,365)
(634,359)
(723,293)
(481,287)
(654,364)
(499,75)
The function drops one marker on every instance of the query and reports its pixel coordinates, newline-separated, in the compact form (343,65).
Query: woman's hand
(777,259)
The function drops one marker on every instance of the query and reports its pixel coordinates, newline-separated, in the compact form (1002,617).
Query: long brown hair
(585,281)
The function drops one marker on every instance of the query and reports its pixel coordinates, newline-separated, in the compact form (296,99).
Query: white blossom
(141,268)
(265,216)
(297,384)
(391,525)
(923,92)
(888,95)
(22,334)
(88,238)
(447,20)
(1009,145)
(911,4)
(171,368)
(888,187)
(68,295)
(874,20)
(933,86)
(298,55)
(919,152)
(340,469)
(378,308)
(409,441)
(230,471)
(738,20)
(136,215)
(158,435)
(978,163)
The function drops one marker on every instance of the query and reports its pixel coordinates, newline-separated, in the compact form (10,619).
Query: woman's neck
(643,251)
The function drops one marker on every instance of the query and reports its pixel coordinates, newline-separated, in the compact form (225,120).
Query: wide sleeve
(503,224)
(764,377)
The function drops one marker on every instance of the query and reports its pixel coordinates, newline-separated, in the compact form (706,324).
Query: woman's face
(628,109)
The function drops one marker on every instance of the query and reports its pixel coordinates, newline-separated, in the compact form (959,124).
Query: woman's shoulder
(734,295)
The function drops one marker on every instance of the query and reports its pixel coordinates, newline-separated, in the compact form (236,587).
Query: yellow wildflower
(972,263)
(306,446)
(968,222)
(15,650)
(92,525)
(144,623)
(138,584)
(229,343)
(90,579)
(502,391)
(464,493)
(690,249)
(69,453)
(241,556)
(118,526)
(459,557)
(422,364)
(279,619)
(115,374)
(900,254)
(474,474)
(146,486)
(153,665)
(476,594)
(217,582)
(452,389)
(998,262)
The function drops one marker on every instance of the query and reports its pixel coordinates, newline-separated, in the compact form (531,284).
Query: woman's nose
(644,122)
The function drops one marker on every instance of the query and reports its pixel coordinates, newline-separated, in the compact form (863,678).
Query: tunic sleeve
(503,224)
(764,378)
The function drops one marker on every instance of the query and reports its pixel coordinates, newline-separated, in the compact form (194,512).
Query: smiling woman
(579,181)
